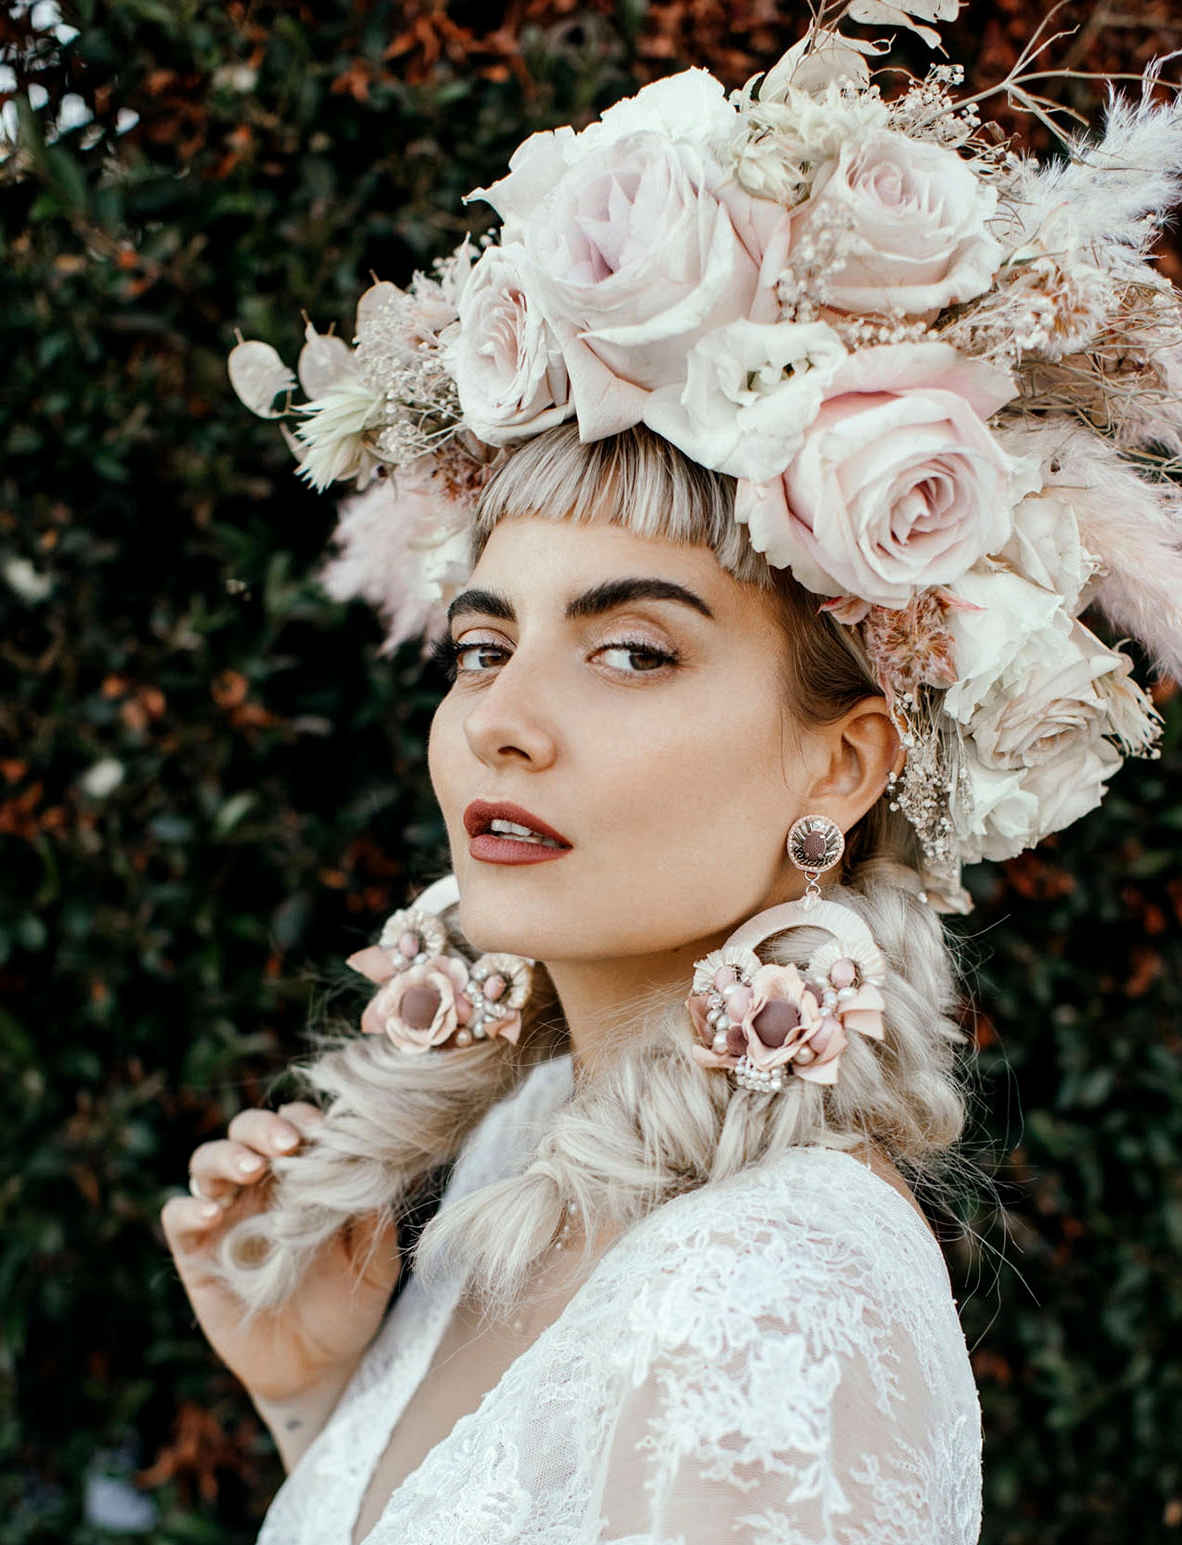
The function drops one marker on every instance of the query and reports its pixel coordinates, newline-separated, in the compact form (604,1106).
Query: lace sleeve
(790,1395)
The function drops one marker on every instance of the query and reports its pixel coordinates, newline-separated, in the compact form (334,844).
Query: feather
(398,546)
(1119,190)
(1132,525)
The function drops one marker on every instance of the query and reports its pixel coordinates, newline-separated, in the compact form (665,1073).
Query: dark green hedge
(211,787)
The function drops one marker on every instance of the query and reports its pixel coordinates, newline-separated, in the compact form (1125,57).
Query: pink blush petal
(373,963)
(864,1021)
(373,1022)
(819,1072)
(706,1058)
(507,1029)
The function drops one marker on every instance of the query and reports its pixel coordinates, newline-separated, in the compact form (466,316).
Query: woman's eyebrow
(487,602)
(619,592)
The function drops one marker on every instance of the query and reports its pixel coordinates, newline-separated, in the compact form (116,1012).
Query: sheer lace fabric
(775,1360)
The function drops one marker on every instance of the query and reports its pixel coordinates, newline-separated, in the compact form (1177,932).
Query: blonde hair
(646,1123)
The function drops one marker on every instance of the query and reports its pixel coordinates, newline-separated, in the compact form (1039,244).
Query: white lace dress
(775,1360)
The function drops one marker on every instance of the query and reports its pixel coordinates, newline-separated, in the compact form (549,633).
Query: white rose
(1033,738)
(691,108)
(1047,697)
(751,391)
(898,486)
(1003,612)
(507,363)
(916,217)
(638,249)
(1002,813)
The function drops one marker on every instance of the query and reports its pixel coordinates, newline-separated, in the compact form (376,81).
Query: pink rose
(508,366)
(917,222)
(420,1007)
(637,247)
(899,484)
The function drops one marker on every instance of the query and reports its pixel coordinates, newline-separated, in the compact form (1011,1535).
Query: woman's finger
(187,1222)
(265,1131)
(225,1163)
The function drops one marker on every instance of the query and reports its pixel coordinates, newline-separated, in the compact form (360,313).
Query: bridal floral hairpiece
(946,377)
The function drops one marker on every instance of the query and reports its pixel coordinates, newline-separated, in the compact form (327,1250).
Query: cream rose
(508,366)
(1035,710)
(999,813)
(898,485)
(751,391)
(638,249)
(1050,695)
(916,219)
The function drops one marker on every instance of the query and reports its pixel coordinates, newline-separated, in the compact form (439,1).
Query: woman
(764,595)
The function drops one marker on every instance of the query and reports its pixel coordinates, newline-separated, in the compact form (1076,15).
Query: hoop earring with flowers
(767,1024)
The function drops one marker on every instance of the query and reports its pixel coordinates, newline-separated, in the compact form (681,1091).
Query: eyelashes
(447,652)
(445,656)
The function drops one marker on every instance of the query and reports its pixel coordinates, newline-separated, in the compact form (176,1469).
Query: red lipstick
(505,833)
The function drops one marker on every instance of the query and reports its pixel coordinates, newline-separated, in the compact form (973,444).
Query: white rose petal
(691,108)
(751,391)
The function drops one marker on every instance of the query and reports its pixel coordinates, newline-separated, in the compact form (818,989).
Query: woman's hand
(295,1360)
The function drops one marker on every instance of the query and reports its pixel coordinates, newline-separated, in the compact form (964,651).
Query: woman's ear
(863,748)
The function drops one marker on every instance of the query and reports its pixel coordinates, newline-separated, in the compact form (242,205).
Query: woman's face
(624,698)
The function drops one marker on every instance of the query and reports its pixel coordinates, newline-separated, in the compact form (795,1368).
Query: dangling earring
(433,998)
(766,1024)
(815,844)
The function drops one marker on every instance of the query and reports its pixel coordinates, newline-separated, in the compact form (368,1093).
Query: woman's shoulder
(812,1197)
(814,1239)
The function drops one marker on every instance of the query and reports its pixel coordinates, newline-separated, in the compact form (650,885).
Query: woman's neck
(602,1000)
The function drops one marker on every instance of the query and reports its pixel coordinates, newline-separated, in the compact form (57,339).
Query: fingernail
(287,1139)
(249,1162)
(210,1210)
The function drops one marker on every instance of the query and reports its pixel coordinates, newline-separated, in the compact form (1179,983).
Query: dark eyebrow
(487,602)
(619,592)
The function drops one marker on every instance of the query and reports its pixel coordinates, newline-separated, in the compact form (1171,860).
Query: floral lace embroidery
(775,1359)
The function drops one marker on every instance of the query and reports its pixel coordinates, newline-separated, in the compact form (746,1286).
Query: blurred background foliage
(211,787)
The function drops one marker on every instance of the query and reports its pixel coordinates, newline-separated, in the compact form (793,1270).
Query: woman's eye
(459,658)
(635,658)
(471,659)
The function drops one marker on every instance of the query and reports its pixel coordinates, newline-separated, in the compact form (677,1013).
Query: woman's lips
(505,833)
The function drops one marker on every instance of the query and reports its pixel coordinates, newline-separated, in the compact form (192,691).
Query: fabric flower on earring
(429,999)
(421,1007)
(763,1023)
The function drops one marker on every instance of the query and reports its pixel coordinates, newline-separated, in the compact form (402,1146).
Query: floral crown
(947,379)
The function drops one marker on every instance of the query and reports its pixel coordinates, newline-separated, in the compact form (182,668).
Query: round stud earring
(815,844)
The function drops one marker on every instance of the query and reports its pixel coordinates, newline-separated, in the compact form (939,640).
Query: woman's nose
(510,721)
